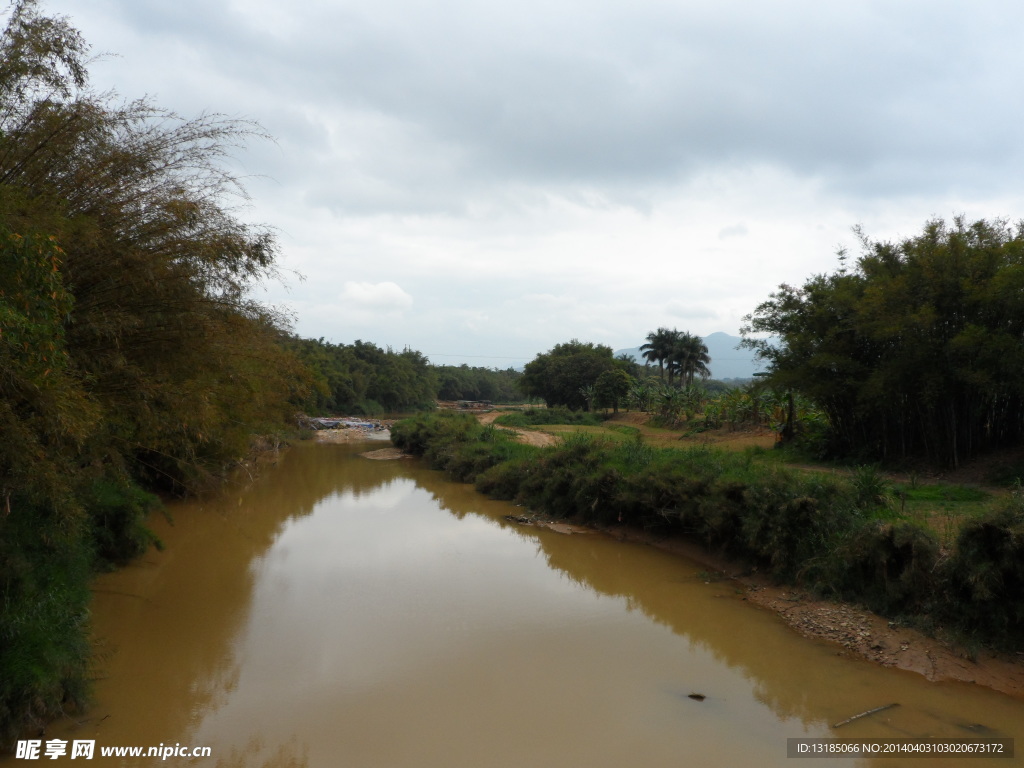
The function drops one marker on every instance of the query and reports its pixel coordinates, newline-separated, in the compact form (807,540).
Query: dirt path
(528,436)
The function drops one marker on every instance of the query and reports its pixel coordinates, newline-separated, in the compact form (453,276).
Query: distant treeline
(363,379)
(462,382)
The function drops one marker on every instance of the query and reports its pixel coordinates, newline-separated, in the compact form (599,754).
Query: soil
(385,454)
(528,436)
(380,431)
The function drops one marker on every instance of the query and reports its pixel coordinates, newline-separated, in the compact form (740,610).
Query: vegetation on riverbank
(839,536)
(914,351)
(133,358)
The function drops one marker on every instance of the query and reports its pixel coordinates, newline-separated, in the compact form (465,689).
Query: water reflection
(346,611)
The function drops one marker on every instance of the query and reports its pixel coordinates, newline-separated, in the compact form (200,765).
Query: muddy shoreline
(852,630)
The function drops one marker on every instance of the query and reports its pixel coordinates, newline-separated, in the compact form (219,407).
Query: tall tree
(182,362)
(658,348)
(561,375)
(688,356)
(612,387)
(130,347)
(916,351)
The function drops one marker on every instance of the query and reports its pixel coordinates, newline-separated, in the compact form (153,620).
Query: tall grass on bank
(532,417)
(839,537)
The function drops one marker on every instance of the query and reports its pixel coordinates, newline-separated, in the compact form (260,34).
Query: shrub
(985,577)
(891,567)
(532,417)
(44,610)
(117,510)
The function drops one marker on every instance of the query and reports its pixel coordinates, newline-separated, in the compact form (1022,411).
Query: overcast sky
(481,180)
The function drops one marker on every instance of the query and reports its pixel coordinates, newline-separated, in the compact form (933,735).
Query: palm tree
(688,357)
(658,348)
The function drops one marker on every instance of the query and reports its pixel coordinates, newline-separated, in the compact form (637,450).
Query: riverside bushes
(824,532)
(986,576)
(132,352)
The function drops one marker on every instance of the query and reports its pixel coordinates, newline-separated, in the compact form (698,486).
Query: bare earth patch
(385,454)
(350,435)
(528,436)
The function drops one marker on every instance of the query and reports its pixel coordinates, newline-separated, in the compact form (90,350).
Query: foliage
(44,611)
(131,352)
(890,566)
(45,414)
(916,351)
(628,364)
(562,375)
(986,576)
(362,378)
(612,387)
(532,417)
(677,352)
(641,395)
(463,382)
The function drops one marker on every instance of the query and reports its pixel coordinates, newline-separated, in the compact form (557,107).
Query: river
(339,611)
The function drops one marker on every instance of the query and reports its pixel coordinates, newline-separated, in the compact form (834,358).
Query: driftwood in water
(865,714)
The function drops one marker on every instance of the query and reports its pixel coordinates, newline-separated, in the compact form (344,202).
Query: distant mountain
(727,362)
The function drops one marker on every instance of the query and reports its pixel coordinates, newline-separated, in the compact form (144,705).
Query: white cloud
(537,171)
(375,297)
(735,230)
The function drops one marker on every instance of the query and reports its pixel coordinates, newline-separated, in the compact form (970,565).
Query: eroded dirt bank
(853,630)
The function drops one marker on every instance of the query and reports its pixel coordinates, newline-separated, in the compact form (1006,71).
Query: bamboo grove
(917,351)
(131,355)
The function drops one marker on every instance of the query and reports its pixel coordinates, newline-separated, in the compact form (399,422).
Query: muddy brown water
(346,612)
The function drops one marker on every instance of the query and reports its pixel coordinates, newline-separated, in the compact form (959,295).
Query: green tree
(658,348)
(181,361)
(641,395)
(472,383)
(612,387)
(916,350)
(362,378)
(688,357)
(560,375)
(130,347)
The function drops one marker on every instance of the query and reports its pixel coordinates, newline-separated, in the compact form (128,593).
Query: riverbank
(364,429)
(816,534)
(852,629)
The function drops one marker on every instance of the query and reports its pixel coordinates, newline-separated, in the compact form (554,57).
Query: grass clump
(535,417)
(985,577)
